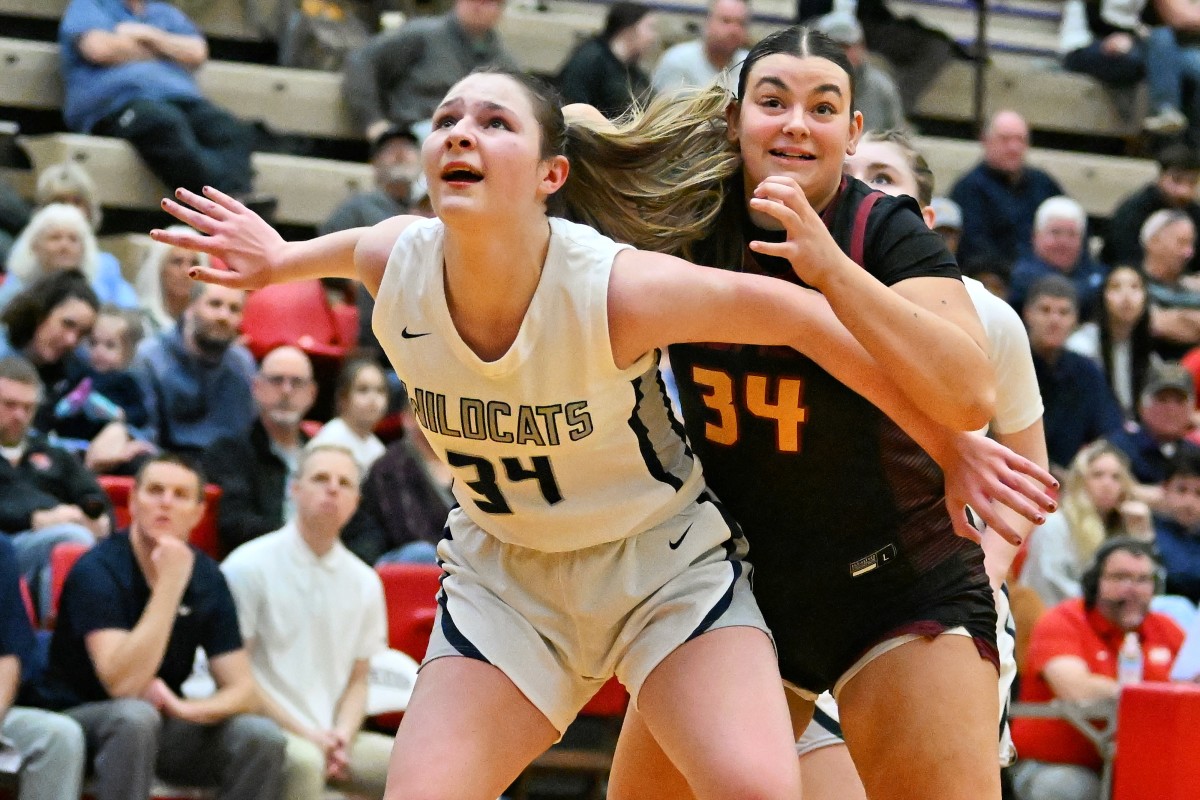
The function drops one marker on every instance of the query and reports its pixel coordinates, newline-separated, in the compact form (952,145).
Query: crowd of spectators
(100,375)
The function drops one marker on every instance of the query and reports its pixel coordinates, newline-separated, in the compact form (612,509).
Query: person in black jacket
(604,71)
(47,497)
(253,466)
(1174,188)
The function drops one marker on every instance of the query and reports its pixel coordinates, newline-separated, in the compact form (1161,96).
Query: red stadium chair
(1158,733)
(62,558)
(203,536)
(410,591)
(300,314)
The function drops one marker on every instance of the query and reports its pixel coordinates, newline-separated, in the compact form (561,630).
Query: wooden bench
(308,188)
(1097,182)
(225,19)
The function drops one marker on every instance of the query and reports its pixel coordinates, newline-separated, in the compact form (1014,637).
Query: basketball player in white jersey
(585,543)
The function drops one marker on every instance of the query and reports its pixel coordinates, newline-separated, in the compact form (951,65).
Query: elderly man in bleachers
(718,53)
(1001,194)
(399,77)
(1168,242)
(1059,231)
(128,69)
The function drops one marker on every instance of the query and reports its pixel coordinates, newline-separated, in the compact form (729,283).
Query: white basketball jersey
(552,447)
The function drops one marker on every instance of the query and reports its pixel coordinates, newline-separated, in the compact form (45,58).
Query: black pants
(187,142)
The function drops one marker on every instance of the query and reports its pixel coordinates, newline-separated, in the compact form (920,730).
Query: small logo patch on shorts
(873,561)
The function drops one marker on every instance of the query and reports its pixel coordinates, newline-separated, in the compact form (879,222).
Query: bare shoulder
(375,248)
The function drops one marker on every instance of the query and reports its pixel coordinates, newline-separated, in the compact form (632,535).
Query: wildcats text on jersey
(498,421)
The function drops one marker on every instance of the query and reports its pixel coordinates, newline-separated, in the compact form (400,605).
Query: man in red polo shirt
(1073,656)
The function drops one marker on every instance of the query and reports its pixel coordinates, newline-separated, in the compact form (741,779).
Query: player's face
(1102,481)
(1124,295)
(367,400)
(166,502)
(882,166)
(796,121)
(484,153)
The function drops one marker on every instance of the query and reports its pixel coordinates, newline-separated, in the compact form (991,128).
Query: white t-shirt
(1086,342)
(366,450)
(1018,399)
(687,65)
(306,619)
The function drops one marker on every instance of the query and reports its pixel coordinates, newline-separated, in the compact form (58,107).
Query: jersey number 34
(764,396)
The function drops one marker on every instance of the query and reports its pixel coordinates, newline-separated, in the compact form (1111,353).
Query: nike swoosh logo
(404,333)
(675,544)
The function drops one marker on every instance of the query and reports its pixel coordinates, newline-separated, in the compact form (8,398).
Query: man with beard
(1073,655)
(254,465)
(195,377)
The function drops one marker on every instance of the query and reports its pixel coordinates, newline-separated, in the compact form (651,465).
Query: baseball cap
(1170,375)
(946,213)
(841,27)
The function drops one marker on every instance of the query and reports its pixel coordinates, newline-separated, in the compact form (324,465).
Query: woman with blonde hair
(1097,504)
(162,283)
(69,183)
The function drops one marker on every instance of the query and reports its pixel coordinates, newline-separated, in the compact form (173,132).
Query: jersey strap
(858,234)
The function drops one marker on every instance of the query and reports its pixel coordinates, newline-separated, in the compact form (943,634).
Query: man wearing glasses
(1073,654)
(253,466)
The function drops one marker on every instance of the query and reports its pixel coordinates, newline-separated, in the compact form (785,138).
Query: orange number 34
(783,404)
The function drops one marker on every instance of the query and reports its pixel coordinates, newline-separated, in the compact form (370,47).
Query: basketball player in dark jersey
(858,571)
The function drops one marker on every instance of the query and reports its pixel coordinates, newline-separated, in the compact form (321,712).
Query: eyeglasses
(289,381)
(1126,579)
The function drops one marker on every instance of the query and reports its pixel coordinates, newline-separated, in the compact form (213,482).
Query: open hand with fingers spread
(233,233)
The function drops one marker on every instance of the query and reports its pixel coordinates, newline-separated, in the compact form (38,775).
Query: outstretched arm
(923,331)
(255,255)
(710,305)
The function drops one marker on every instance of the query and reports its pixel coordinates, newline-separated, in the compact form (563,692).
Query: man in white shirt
(312,615)
(720,52)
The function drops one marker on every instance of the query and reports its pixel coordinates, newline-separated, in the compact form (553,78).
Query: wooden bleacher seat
(1097,182)
(308,188)
(225,19)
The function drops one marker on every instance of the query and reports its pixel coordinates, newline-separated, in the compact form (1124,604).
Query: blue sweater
(998,213)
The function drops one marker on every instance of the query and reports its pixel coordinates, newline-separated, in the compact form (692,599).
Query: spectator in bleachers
(1174,188)
(1164,421)
(361,397)
(132,613)
(947,222)
(404,504)
(716,55)
(1169,241)
(47,497)
(1108,40)
(312,616)
(128,70)
(1000,195)
(605,71)
(1182,19)
(196,377)
(1072,656)
(916,52)
(320,34)
(1177,525)
(14,216)
(68,182)
(396,159)
(400,76)
(1079,405)
(59,238)
(163,287)
(51,745)
(1118,341)
(254,464)
(113,394)
(875,93)
(1059,238)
